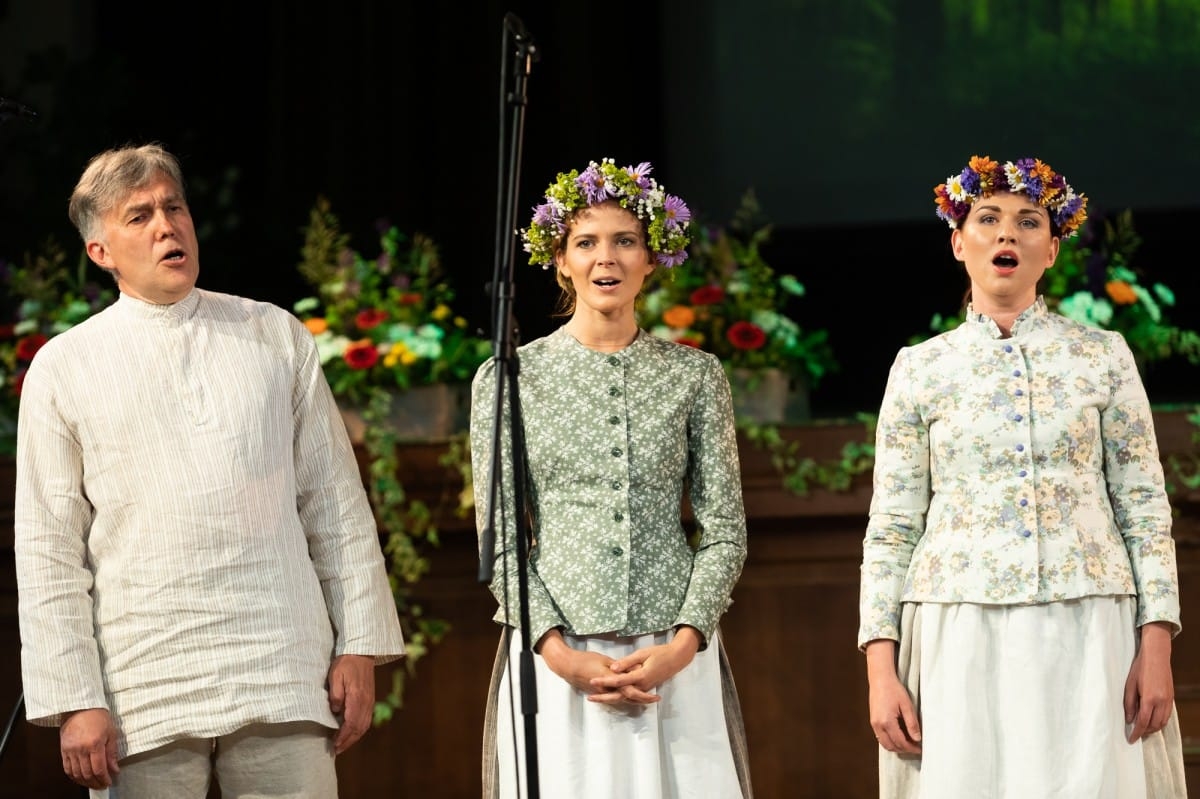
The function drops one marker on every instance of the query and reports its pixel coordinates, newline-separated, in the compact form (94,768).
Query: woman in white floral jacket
(1019,592)
(634,699)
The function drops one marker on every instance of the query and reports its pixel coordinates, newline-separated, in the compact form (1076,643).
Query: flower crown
(666,216)
(983,177)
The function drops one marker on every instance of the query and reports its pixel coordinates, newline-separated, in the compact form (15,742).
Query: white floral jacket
(1016,470)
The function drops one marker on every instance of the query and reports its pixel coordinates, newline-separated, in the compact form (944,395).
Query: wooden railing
(790,635)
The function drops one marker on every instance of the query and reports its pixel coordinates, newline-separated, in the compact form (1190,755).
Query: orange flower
(679,316)
(1120,292)
(316,325)
(982,164)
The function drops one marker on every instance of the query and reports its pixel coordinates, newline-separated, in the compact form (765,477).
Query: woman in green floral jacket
(634,697)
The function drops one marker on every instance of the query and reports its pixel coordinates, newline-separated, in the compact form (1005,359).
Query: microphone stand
(517,44)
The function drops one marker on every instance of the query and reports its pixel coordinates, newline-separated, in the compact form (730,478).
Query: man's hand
(351,698)
(88,742)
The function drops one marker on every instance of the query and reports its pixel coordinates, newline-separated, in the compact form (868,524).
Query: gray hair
(112,176)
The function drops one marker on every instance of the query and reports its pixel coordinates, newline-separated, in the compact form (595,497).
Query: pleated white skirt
(1019,702)
(677,747)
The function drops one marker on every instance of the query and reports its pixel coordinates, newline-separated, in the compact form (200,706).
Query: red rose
(708,295)
(372,317)
(28,346)
(361,354)
(746,336)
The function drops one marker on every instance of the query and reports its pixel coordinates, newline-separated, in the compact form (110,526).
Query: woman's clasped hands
(632,680)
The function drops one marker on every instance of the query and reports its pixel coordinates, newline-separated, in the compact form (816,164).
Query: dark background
(842,117)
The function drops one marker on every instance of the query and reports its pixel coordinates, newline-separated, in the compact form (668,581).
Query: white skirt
(1021,701)
(677,747)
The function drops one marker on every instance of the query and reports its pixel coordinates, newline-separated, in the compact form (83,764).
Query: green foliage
(407,527)
(42,298)
(1183,470)
(386,324)
(800,473)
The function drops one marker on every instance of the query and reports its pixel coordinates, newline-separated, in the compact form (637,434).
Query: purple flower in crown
(1030,179)
(671,259)
(547,214)
(596,188)
(641,174)
(677,212)
(1070,207)
(970,180)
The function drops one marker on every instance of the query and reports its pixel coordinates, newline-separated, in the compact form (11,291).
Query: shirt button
(1026,533)
(618,516)
(614,360)
(616,484)
(1022,473)
(613,391)
(1017,417)
(1024,502)
(614,420)
(616,452)
(1019,393)
(1016,372)
(1008,348)
(1020,447)
(616,551)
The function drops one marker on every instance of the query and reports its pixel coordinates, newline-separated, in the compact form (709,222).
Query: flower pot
(421,413)
(767,396)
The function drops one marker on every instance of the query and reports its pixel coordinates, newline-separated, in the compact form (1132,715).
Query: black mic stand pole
(512,109)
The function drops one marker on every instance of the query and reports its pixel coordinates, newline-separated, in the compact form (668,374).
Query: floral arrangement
(42,298)
(731,303)
(1093,281)
(666,215)
(384,324)
(983,177)
(385,321)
